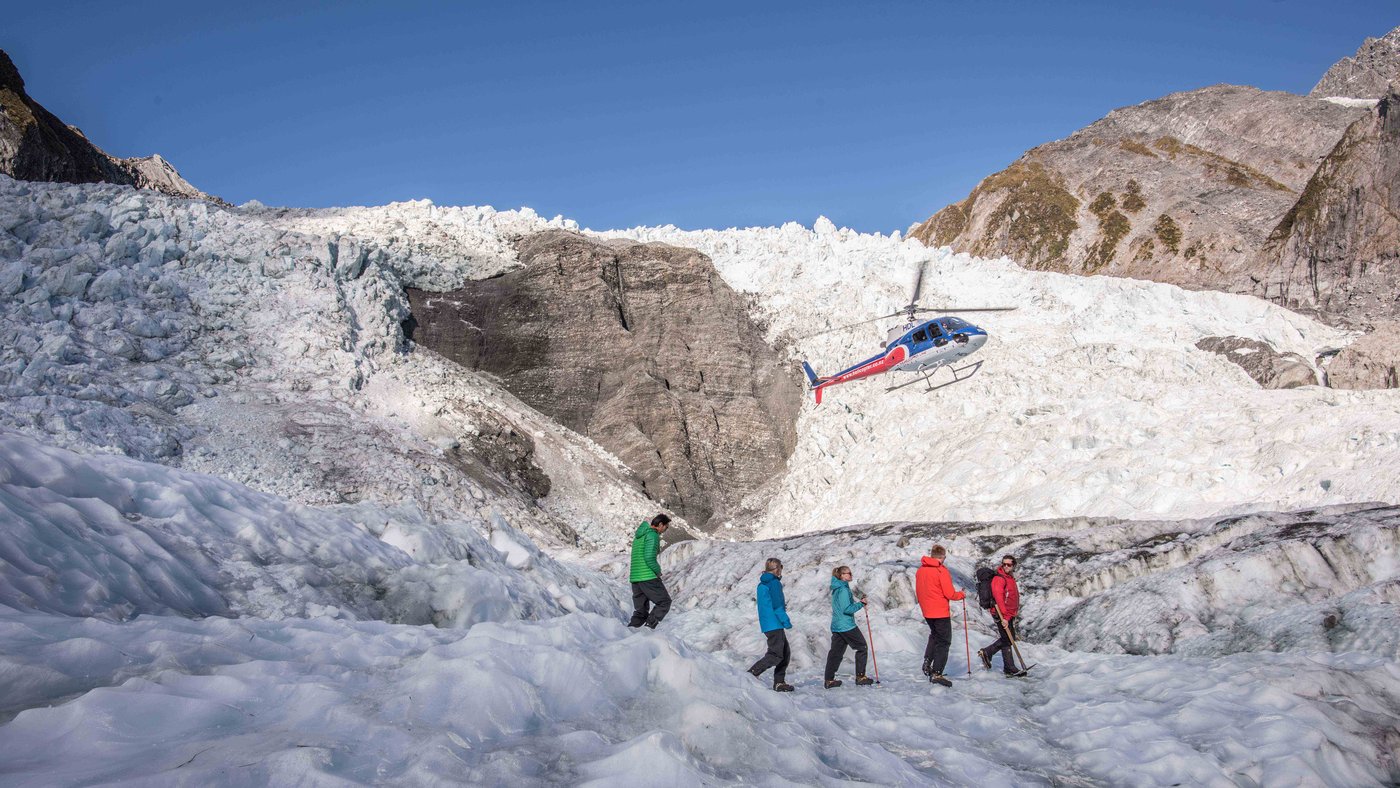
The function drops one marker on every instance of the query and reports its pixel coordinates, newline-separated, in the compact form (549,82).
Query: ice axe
(1006,627)
(871,635)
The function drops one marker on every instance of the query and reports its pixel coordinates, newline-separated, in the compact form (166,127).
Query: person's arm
(852,606)
(998,591)
(652,546)
(948,590)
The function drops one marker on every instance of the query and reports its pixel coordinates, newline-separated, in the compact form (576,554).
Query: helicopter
(915,345)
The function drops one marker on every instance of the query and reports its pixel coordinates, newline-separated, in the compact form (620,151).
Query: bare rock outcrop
(642,347)
(1336,253)
(37,146)
(1183,189)
(1371,362)
(1367,74)
(1269,368)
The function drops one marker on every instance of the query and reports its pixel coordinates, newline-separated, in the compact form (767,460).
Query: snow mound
(113,538)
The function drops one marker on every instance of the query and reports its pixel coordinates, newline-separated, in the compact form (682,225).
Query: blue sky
(875,114)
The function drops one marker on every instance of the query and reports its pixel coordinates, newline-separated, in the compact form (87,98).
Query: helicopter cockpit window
(921,336)
(952,324)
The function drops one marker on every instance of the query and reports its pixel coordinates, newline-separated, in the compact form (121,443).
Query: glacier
(249,538)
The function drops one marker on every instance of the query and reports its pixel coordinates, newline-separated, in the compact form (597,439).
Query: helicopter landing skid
(927,377)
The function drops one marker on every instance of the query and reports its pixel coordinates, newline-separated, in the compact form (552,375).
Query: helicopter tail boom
(816,380)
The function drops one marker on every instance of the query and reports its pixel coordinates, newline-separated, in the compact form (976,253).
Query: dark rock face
(37,146)
(1269,368)
(642,347)
(1366,74)
(1336,253)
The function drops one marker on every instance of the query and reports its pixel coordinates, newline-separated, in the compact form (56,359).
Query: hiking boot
(782,686)
(986,660)
(756,675)
(938,678)
(928,667)
(864,681)
(832,683)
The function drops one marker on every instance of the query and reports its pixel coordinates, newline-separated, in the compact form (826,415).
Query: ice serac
(1365,74)
(642,347)
(1183,189)
(36,146)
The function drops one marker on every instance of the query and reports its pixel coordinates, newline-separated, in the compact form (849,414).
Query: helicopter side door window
(920,337)
(938,339)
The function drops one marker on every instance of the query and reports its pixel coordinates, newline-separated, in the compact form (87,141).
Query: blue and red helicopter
(921,346)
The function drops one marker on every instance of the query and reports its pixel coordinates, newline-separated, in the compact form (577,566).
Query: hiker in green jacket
(650,601)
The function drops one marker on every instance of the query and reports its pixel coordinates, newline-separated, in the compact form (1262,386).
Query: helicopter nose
(975,340)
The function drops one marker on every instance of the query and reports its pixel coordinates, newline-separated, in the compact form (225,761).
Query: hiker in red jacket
(1008,601)
(934,587)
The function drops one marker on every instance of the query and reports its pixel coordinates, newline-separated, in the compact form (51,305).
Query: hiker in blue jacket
(844,631)
(773,620)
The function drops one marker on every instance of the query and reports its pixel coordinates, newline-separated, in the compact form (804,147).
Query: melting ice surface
(246,539)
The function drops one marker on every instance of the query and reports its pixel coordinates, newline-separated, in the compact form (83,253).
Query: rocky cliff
(37,146)
(1184,189)
(1336,253)
(642,347)
(1367,74)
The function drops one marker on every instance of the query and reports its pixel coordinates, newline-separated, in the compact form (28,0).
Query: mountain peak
(1367,74)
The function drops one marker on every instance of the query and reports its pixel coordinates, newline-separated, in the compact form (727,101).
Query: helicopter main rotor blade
(967,309)
(853,325)
(918,287)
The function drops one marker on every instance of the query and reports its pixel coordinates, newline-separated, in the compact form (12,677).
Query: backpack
(985,599)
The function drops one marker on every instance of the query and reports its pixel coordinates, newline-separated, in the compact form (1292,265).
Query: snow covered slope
(222,341)
(1092,398)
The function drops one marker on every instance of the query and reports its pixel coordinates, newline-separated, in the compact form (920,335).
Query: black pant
(776,658)
(1003,644)
(645,594)
(940,636)
(839,642)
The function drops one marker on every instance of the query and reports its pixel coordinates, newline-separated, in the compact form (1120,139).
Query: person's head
(842,573)
(660,523)
(1008,564)
(938,552)
(774,566)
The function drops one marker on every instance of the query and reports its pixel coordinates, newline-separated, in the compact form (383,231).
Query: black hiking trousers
(645,595)
(1003,644)
(777,657)
(940,636)
(839,642)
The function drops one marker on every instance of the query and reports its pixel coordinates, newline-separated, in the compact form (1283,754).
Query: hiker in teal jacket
(650,600)
(773,620)
(844,631)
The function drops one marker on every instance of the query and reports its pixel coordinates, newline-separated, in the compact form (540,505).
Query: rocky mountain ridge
(36,146)
(1367,74)
(1224,188)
